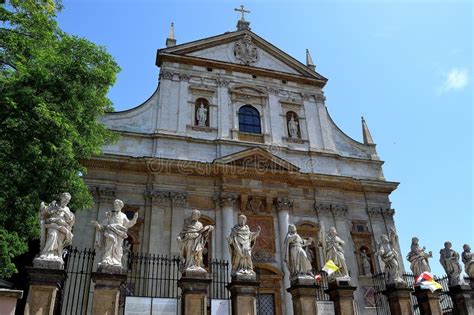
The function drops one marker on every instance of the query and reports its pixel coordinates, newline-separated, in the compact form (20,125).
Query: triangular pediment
(259,159)
(242,48)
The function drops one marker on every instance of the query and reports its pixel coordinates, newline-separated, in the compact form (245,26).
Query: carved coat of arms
(245,51)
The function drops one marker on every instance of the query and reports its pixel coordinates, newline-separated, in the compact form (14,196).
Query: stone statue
(201,115)
(418,258)
(468,260)
(241,241)
(110,235)
(56,222)
(449,259)
(335,251)
(191,241)
(365,262)
(296,257)
(391,259)
(293,127)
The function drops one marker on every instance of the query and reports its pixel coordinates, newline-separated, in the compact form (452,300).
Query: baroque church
(236,125)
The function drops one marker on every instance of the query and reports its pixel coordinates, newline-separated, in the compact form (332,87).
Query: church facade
(236,125)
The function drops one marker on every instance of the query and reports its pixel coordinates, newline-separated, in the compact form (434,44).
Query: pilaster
(43,291)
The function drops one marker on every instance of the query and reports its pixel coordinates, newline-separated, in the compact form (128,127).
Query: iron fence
(219,270)
(74,296)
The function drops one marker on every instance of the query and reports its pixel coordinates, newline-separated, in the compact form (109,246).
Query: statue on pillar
(334,249)
(241,241)
(201,115)
(56,221)
(449,259)
(391,259)
(418,258)
(296,257)
(293,127)
(468,260)
(110,235)
(192,241)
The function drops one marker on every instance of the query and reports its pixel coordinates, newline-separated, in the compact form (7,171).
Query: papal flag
(426,281)
(330,267)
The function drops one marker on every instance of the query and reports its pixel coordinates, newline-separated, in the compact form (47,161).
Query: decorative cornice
(320,98)
(179,198)
(388,213)
(331,209)
(227,199)
(283,203)
(101,193)
(378,213)
(184,77)
(222,82)
(157,196)
(307,97)
(272,90)
(166,75)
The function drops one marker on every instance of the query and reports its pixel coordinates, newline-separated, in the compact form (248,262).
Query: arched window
(201,112)
(293,125)
(249,120)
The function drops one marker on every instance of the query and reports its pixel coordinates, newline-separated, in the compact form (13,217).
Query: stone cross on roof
(242,11)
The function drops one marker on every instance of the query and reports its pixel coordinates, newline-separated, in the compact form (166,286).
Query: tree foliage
(53,89)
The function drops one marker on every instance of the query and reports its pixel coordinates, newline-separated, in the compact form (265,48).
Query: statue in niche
(192,240)
(468,260)
(293,127)
(201,115)
(110,235)
(418,258)
(296,256)
(449,259)
(241,241)
(56,222)
(334,248)
(365,262)
(391,259)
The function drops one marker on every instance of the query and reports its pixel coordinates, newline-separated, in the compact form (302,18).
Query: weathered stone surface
(8,300)
(43,290)
(463,299)
(304,297)
(428,302)
(106,292)
(399,299)
(243,295)
(342,294)
(194,294)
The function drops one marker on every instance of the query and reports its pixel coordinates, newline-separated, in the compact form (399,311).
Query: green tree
(53,91)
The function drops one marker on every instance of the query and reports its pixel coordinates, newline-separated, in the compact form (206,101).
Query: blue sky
(406,66)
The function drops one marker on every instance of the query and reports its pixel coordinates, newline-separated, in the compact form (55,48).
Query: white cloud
(455,79)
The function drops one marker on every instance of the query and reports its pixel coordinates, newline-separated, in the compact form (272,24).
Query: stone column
(228,200)
(463,299)
(428,302)
(325,123)
(283,205)
(183,106)
(342,294)
(304,292)
(224,121)
(243,295)
(43,292)
(106,292)
(194,294)
(399,299)
(313,123)
(274,114)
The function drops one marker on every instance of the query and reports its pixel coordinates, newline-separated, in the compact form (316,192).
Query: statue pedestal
(399,299)
(303,292)
(342,294)
(463,299)
(43,291)
(194,292)
(428,302)
(243,294)
(8,299)
(106,292)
